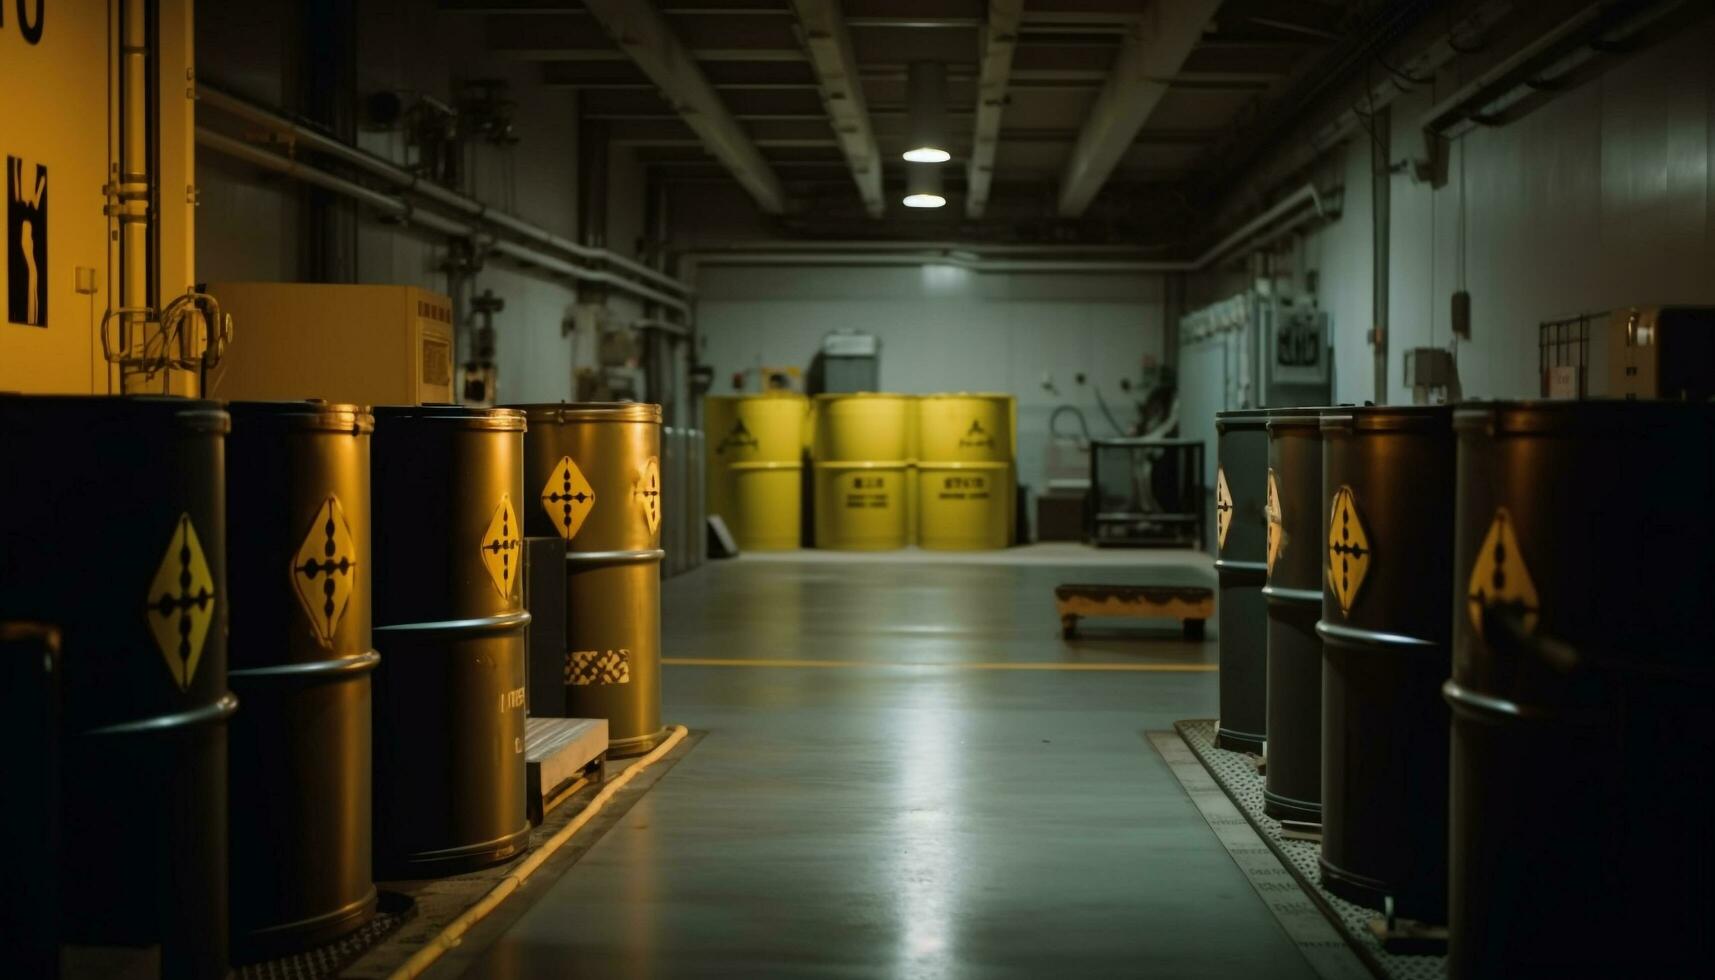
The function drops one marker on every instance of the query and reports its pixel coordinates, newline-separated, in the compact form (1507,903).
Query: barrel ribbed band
(503,623)
(215,711)
(643,557)
(311,671)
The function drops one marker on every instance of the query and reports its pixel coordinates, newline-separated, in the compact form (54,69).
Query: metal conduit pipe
(401,211)
(411,183)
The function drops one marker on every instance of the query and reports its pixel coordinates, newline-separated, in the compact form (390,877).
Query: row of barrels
(259,652)
(1474,645)
(886,470)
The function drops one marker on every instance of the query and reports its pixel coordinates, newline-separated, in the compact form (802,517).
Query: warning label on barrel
(325,569)
(738,439)
(976,437)
(1348,550)
(1276,527)
(502,547)
(1499,579)
(867,493)
(648,493)
(567,498)
(964,488)
(587,668)
(181,603)
(1223,508)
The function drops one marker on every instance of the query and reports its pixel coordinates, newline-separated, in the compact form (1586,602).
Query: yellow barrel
(964,476)
(596,471)
(755,466)
(862,452)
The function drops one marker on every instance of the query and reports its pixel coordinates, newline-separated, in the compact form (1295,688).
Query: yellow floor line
(1001,665)
(455,930)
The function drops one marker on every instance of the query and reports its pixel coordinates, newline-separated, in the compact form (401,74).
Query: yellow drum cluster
(756,466)
(964,474)
(862,451)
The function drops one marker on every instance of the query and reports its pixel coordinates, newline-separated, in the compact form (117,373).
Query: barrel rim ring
(1475,705)
(869,464)
(762,464)
(216,711)
(500,623)
(1352,637)
(830,396)
(1593,415)
(1288,595)
(590,412)
(640,557)
(330,669)
(485,419)
(308,414)
(975,464)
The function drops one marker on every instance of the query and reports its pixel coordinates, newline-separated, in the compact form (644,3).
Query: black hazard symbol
(976,437)
(738,438)
(26,243)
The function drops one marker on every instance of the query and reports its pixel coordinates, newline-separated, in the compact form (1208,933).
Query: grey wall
(945,328)
(248,224)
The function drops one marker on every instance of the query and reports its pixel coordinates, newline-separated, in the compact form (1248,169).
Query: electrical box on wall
(372,345)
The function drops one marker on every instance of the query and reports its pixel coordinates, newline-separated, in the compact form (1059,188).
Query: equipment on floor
(301,663)
(1191,605)
(1581,745)
(966,445)
(370,345)
(1241,566)
(115,535)
(1146,493)
(1665,352)
(1293,592)
(862,452)
(594,470)
(1387,536)
(450,625)
(755,466)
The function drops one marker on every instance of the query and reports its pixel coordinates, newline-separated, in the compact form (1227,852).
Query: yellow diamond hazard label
(181,603)
(1276,530)
(324,570)
(1223,507)
(502,547)
(1348,550)
(1499,578)
(587,668)
(568,498)
(648,492)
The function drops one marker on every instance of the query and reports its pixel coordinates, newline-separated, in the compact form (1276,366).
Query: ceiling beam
(640,31)
(1154,49)
(822,30)
(999,40)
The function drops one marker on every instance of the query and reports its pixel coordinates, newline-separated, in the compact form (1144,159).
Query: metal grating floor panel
(392,911)
(1237,775)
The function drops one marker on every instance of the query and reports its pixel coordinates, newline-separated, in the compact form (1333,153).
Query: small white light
(927,154)
(924,201)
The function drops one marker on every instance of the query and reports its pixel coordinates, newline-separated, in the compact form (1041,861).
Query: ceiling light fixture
(923,186)
(926,101)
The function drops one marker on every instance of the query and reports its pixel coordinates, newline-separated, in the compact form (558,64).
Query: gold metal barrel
(862,452)
(755,466)
(595,471)
(964,473)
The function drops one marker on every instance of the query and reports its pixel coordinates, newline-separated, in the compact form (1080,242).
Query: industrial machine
(369,345)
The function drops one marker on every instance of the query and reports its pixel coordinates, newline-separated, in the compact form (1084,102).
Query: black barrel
(450,625)
(1387,528)
(115,533)
(30,668)
(1241,540)
(1292,786)
(1583,679)
(298,536)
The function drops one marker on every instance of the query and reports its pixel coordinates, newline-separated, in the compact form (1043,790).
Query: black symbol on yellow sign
(1348,550)
(324,569)
(648,492)
(738,438)
(500,546)
(976,437)
(26,243)
(585,668)
(181,603)
(1276,525)
(1223,507)
(568,498)
(1499,578)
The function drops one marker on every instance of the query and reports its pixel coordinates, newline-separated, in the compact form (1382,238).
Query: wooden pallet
(1191,605)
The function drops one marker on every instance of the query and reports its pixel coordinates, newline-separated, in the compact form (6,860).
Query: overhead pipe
(399,210)
(414,184)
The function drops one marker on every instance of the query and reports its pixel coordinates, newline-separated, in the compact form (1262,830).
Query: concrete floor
(912,795)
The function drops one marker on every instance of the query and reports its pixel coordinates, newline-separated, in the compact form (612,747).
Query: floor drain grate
(393,910)
(1237,775)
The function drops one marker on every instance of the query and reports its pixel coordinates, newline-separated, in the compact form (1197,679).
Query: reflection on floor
(924,810)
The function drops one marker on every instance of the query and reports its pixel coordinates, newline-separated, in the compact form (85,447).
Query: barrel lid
(592,412)
(310,414)
(742,396)
(1598,415)
(1302,418)
(504,419)
(828,396)
(972,395)
(1243,419)
(22,412)
(1388,418)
